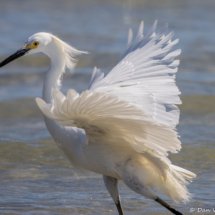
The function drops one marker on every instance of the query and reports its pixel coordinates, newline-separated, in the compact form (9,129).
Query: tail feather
(175,184)
(161,174)
(186,173)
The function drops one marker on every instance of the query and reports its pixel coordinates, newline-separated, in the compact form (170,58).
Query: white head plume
(69,53)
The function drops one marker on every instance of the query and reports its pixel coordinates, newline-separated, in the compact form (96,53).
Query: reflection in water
(36,178)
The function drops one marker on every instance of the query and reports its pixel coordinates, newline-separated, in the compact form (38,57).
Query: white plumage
(109,120)
(146,76)
(123,126)
(132,106)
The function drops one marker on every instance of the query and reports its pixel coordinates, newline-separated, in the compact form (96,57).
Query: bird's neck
(51,82)
(66,138)
(57,65)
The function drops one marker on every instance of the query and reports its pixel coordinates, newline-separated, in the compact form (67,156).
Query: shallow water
(35,177)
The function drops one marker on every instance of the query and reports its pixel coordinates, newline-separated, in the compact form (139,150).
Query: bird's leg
(167,206)
(112,186)
(137,186)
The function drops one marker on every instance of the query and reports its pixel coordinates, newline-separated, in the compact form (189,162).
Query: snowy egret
(123,126)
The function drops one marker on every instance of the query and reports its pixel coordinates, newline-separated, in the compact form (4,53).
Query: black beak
(14,56)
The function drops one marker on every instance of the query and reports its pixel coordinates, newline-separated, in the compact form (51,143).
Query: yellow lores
(32,45)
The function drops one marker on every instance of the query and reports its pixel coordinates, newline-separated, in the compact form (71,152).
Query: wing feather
(148,69)
(108,120)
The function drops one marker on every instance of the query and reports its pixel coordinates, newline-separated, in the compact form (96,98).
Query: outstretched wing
(108,120)
(145,76)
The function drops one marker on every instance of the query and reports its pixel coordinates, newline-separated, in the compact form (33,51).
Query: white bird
(123,126)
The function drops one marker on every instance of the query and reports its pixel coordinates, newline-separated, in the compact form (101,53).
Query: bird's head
(38,43)
(34,44)
(49,45)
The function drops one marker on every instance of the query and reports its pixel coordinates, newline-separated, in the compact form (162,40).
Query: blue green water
(35,177)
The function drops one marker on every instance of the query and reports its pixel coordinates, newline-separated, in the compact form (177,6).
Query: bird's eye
(36,43)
